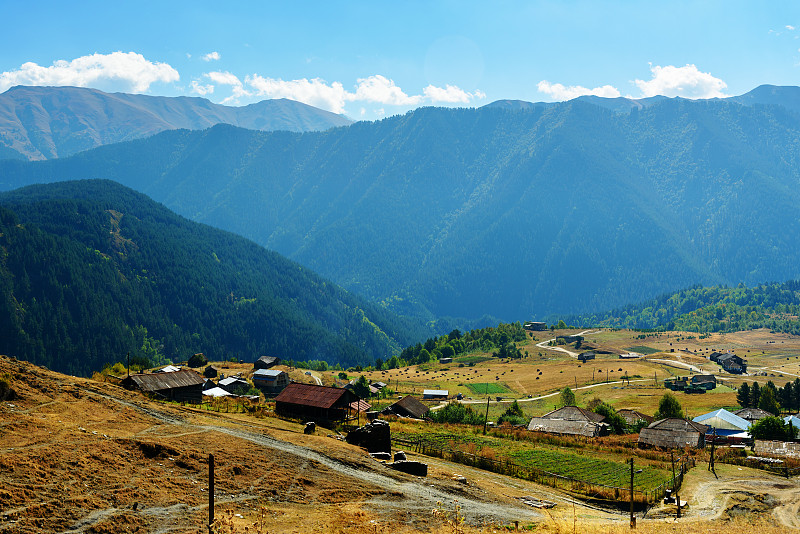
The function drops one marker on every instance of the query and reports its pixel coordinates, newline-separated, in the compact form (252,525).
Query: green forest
(91,271)
(709,309)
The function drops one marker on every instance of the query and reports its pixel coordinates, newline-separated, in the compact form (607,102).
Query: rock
(411,467)
(310,428)
(381,456)
(375,437)
(399,456)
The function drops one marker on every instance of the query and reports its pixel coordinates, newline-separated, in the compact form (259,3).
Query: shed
(408,406)
(633,417)
(446,360)
(535,326)
(234,384)
(435,394)
(725,423)
(672,433)
(183,386)
(752,414)
(217,392)
(270,381)
(265,362)
(570,420)
(168,369)
(584,356)
(706,382)
(315,403)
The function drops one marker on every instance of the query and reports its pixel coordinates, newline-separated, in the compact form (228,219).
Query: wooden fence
(548,478)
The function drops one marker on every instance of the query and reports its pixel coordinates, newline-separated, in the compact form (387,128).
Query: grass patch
(473,359)
(484,388)
(641,349)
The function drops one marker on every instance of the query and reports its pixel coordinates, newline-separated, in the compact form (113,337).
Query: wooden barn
(570,420)
(752,414)
(270,381)
(181,386)
(316,403)
(265,362)
(408,406)
(673,433)
(585,356)
(634,417)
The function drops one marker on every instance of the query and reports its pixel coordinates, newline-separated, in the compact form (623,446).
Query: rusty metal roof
(162,381)
(573,413)
(315,396)
(409,406)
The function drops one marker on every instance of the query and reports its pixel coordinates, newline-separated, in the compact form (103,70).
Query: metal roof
(162,381)
(409,406)
(267,374)
(315,396)
(168,369)
(752,414)
(232,380)
(217,392)
(723,419)
(573,413)
(360,405)
(436,392)
(564,426)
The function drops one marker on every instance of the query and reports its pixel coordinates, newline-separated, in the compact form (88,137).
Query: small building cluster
(729,361)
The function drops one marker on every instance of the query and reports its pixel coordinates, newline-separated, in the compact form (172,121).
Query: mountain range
(510,210)
(91,271)
(50,122)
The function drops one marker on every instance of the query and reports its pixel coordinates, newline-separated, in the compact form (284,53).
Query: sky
(372,59)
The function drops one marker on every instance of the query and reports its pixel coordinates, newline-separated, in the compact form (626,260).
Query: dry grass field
(78,455)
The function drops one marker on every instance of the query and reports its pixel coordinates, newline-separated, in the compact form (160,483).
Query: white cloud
(236,85)
(382,90)
(211,56)
(202,90)
(559,91)
(312,92)
(687,82)
(127,67)
(450,94)
(790,27)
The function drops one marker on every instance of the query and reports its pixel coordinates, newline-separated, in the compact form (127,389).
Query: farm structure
(585,356)
(695,384)
(535,326)
(732,363)
(265,362)
(435,394)
(673,433)
(182,386)
(570,420)
(168,369)
(408,406)
(752,414)
(725,424)
(634,417)
(270,381)
(569,338)
(316,403)
(234,384)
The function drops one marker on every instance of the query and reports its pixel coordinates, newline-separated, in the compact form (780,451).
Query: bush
(455,412)
(6,393)
(198,360)
(773,428)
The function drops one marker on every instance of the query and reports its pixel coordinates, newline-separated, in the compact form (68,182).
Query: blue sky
(370,59)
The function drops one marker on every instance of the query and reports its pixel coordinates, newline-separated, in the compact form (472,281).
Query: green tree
(566,397)
(198,360)
(615,421)
(768,402)
(669,406)
(755,395)
(743,395)
(513,415)
(361,387)
(773,428)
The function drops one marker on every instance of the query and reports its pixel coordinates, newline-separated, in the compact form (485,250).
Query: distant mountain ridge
(50,122)
(786,96)
(513,213)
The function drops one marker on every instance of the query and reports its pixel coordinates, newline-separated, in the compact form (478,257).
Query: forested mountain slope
(514,213)
(709,309)
(91,270)
(49,122)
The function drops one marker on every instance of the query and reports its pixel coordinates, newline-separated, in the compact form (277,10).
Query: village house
(752,414)
(585,356)
(707,382)
(570,420)
(184,385)
(673,433)
(435,394)
(725,424)
(270,381)
(316,403)
(408,406)
(732,363)
(535,326)
(634,417)
(265,362)
(234,384)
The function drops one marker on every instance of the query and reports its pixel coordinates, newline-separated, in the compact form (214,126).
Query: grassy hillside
(92,270)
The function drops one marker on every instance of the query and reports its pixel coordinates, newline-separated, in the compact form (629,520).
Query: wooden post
(633,517)
(486,421)
(210,491)
(678,497)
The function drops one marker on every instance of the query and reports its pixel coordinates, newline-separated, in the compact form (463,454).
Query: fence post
(210,491)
